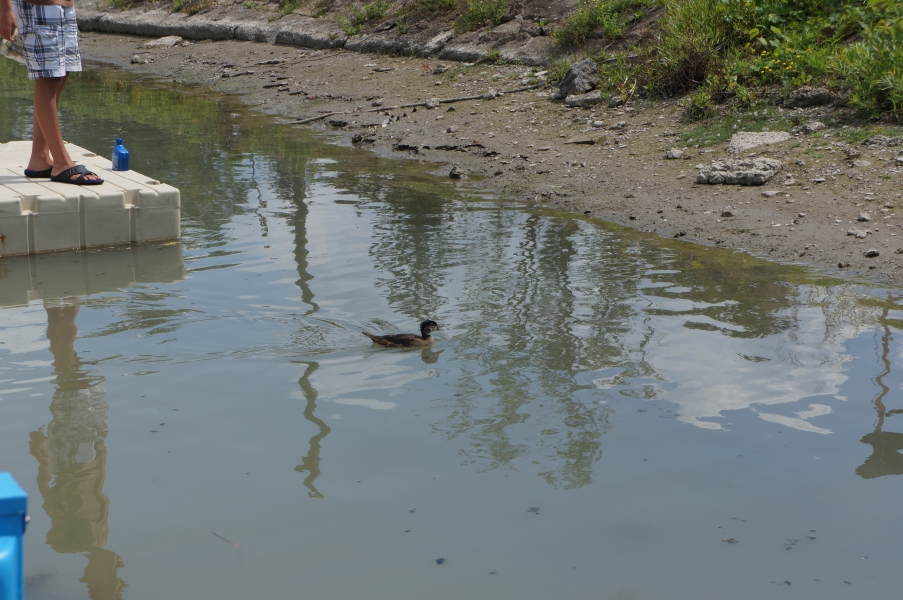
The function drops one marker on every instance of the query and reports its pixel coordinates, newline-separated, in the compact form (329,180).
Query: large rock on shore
(806,96)
(751,171)
(585,100)
(581,78)
(310,33)
(515,41)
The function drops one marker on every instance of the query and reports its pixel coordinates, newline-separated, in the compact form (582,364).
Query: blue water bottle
(120,156)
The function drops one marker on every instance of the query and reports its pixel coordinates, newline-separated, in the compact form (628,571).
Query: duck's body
(406,340)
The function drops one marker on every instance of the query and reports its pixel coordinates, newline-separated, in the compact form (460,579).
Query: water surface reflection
(652,398)
(72,458)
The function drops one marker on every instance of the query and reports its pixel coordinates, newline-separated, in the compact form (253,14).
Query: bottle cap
(118,141)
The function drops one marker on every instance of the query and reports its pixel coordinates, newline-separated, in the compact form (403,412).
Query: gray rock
(310,33)
(862,163)
(490,94)
(164,42)
(883,140)
(852,153)
(141,59)
(615,102)
(584,100)
(585,139)
(744,140)
(598,124)
(770,193)
(812,127)
(617,126)
(864,216)
(427,46)
(674,153)
(257,31)
(871,253)
(740,171)
(456,173)
(433,103)
(471,47)
(806,96)
(534,52)
(581,77)
(899,158)
(859,233)
(728,212)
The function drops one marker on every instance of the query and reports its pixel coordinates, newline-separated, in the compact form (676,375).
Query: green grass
(321,7)
(758,117)
(727,51)
(354,23)
(433,6)
(860,134)
(480,13)
(600,19)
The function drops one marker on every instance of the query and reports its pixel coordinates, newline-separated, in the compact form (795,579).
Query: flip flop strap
(81,170)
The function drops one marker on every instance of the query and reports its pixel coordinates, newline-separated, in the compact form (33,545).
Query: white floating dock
(39,215)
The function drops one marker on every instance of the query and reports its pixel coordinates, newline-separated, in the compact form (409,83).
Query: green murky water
(602,410)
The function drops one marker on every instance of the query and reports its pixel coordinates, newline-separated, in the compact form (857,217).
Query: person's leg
(46,101)
(41,157)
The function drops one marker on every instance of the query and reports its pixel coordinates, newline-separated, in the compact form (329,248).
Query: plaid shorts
(49,39)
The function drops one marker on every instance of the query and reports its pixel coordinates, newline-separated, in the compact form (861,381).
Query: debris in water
(534,510)
(225,540)
(407,531)
(730,540)
(413,510)
(493,572)
(440,561)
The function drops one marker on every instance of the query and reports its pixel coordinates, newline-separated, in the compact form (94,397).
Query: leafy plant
(437,5)
(600,18)
(873,66)
(321,7)
(359,17)
(480,13)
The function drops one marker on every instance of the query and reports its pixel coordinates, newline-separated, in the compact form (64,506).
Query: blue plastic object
(120,156)
(13,518)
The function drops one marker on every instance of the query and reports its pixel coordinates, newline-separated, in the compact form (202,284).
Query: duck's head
(428,326)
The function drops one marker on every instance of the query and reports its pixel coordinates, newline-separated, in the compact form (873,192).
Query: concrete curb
(516,41)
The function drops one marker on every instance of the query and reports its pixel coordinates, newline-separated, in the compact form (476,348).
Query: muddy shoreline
(606,163)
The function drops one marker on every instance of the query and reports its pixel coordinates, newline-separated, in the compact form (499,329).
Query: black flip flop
(81,171)
(31,174)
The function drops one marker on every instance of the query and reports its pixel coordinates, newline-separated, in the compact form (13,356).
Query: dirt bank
(523,145)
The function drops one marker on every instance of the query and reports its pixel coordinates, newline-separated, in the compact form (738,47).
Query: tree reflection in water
(886,458)
(72,459)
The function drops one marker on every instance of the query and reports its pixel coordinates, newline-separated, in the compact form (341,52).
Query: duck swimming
(406,340)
